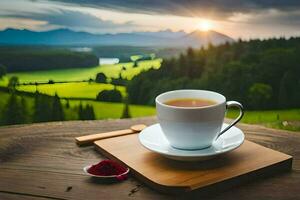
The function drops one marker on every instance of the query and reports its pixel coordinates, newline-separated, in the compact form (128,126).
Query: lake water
(108,61)
(82,49)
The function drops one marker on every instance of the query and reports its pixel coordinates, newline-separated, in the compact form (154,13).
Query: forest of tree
(44,109)
(30,59)
(125,52)
(260,74)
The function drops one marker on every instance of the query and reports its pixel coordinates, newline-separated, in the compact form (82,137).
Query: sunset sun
(205,25)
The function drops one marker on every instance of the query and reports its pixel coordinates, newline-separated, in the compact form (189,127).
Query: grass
(279,119)
(78,74)
(106,110)
(79,90)
(103,110)
(75,90)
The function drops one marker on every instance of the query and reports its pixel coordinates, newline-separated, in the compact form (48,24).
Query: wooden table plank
(63,186)
(13,196)
(43,160)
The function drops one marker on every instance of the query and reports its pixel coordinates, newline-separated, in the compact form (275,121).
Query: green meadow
(106,110)
(282,119)
(82,89)
(103,110)
(72,90)
(78,74)
(288,119)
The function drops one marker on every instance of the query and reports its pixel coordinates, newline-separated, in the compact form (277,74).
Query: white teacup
(193,127)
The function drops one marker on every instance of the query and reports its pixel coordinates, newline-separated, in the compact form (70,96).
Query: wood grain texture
(43,161)
(171,176)
(13,196)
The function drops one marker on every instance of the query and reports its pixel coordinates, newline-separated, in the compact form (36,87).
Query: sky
(236,18)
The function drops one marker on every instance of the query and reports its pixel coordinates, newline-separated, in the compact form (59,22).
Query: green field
(280,119)
(102,110)
(72,90)
(78,74)
(105,110)
(79,90)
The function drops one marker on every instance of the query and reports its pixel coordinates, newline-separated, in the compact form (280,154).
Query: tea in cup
(192,119)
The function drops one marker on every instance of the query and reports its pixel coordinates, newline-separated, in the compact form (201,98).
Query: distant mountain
(164,34)
(166,38)
(204,38)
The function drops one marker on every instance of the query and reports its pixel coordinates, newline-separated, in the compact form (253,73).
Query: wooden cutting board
(241,165)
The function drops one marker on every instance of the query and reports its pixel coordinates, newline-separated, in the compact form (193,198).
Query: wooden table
(42,161)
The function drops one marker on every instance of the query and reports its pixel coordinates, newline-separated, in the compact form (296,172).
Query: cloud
(71,19)
(269,13)
(213,8)
(270,18)
(238,18)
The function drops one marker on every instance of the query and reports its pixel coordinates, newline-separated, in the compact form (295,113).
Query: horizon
(165,30)
(247,20)
(82,31)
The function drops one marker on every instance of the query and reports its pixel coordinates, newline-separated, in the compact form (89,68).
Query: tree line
(19,109)
(261,74)
(18,59)
(45,108)
(23,107)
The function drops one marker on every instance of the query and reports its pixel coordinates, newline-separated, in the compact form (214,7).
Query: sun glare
(205,25)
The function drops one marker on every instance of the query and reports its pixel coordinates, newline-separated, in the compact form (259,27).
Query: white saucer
(153,139)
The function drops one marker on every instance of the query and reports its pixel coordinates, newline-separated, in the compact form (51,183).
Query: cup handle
(241,108)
